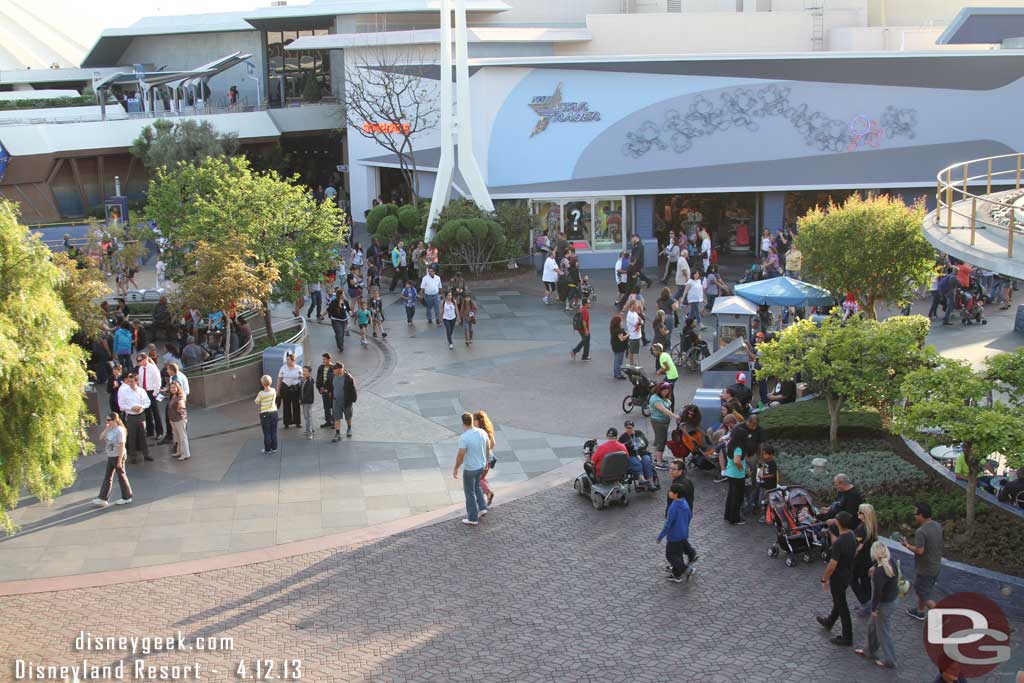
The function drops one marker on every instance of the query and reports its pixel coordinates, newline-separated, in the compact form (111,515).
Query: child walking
(377,313)
(363,318)
(677,529)
(307,395)
(409,297)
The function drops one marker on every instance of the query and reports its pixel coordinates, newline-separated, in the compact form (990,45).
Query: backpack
(577,321)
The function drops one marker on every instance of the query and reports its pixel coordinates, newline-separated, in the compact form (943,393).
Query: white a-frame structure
(456,120)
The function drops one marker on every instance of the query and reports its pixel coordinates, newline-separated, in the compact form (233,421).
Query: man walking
(133,402)
(837,577)
(343,393)
(149,380)
(581,323)
(338,311)
(677,529)
(431,286)
(316,300)
(323,386)
(947,292)
(398,265)
(636,257)
(927,549)
(472,457)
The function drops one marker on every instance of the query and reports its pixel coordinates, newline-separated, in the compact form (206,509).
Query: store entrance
(729,218)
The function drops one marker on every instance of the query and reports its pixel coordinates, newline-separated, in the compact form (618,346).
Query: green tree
(1006,370)
(872,248)
(950,403)
(225,203)
(130,240)
(471,241)
(80,288)
(41,373)
(164,143)
(855,363)
(223,277)
(311,90)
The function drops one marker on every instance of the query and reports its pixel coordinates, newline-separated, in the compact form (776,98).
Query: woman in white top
(550,276)
(113,437)
(449,315)
(289,387)
(694,297)
(634,329)
(266,402)
(357,260)
(705,248)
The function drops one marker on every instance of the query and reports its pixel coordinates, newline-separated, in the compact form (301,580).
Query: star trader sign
(551,108)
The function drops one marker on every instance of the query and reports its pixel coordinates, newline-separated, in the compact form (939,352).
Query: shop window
(577,222)
(609,227)
(550,217)
(728,218)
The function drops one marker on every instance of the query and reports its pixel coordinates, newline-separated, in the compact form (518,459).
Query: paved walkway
(546,589)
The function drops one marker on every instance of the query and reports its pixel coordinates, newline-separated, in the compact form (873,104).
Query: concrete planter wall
(217,388)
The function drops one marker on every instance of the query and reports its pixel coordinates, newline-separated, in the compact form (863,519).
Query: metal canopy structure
(984,25)
(783,291)
(176,81)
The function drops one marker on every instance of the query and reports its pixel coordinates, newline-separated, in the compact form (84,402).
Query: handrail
(956,179)
(244,354)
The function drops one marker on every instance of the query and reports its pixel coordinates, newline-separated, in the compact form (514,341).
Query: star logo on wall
(546,107)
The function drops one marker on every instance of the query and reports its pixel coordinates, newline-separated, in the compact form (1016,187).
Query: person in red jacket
(611,445)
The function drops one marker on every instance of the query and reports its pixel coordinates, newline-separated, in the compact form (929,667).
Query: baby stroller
(642,388)
(613,486)
(797,529)
(689,446)
(970,302)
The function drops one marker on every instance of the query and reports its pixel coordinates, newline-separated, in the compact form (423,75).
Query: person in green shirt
(960,469)
(661,419)
(666,369)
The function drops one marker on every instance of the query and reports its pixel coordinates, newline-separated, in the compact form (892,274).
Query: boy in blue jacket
(677,529)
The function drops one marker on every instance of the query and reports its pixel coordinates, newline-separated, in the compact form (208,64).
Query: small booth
(784,292)
(734,315)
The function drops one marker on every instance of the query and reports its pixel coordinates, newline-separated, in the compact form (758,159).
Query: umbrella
(784,291)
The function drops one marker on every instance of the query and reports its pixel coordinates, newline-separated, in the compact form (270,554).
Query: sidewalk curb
(548,480)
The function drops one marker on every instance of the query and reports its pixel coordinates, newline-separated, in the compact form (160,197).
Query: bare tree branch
(390,99)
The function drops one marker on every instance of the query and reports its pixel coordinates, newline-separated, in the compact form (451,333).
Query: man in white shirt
(694,297)
(634,329)
(149,381)
(431,286)
(550,276)
(331,195)
(134,402)
(682,277)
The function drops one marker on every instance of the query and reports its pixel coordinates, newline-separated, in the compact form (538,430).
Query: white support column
(456,119)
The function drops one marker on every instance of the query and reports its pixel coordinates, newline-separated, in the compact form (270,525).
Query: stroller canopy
(784,291)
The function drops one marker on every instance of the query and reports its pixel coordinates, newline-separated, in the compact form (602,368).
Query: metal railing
(118,113)
(954,198)
(245,355)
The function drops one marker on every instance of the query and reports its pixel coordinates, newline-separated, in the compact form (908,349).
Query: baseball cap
(741,377)
(611,433)
(628,423)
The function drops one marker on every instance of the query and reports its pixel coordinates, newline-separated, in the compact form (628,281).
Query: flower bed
(892,480)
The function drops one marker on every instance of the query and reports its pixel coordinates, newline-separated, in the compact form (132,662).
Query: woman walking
(467,312)
(694,297)
(266,402)
(113,437)
(866,533)
(620,342)
(482,421)
(449,316)
(885,592)
(289,381)
(178,418)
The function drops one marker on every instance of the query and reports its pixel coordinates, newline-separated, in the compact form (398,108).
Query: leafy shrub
(49,103)
(387,229)
(810,420)
(377,214)
(408,218)
(471,241)
(870,470)
(311,90)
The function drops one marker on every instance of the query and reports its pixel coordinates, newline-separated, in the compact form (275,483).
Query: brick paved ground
(547,589)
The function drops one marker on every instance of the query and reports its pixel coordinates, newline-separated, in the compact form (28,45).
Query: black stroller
(642,389)
(970,302)
(797,528)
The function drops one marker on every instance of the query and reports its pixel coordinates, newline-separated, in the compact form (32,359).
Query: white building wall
(190,51)
(925,12)
(548,12)
(710,32)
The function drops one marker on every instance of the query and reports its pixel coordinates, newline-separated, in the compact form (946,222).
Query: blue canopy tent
(783,291)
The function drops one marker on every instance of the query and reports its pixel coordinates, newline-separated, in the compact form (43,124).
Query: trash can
(273,358)
(710,404)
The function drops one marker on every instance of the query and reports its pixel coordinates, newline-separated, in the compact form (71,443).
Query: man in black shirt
(1012,491)
(784,392)
(323,386)
(837,577)
(849,499)
(677,470)
(636,258)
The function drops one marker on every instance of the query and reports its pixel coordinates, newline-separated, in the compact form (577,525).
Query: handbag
(902,584)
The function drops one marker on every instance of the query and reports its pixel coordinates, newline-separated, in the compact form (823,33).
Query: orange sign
(387,128)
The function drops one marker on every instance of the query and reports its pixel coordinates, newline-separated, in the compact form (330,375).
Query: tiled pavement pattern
(230,497)
(546,589)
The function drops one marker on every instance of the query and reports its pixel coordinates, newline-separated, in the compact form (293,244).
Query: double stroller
(798,531)
(689,445)
(970,302)
(616,483)
(642,389)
